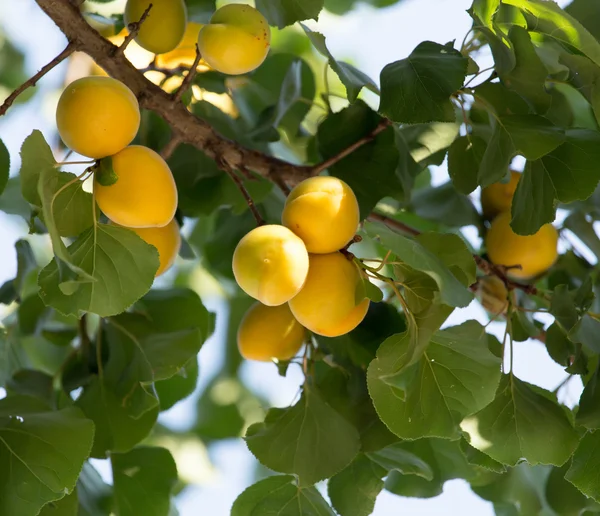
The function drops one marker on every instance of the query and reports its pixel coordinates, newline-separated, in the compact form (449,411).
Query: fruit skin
(326,303)
(493,294)
(167,241)
(236,40)
(185,53)
(97,116)
(270,264)
(144,195)
(164,27)
(535,253)
(322,211)
(268,332)
(498,197)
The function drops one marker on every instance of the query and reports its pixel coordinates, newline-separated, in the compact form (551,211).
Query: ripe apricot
(164,27)
(144,194)
(268,332)
(498,197)
(322,211)
(326,304)
(236,40)
(167,241)
(97,116)
(185,53)
(535,253)
(493,294)
(270,264)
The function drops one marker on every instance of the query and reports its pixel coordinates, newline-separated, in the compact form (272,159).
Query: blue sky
(371,39)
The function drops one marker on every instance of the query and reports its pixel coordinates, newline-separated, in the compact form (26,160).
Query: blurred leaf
(562,496)
(282,13)
(177,387)
(95,497)
(280,493)
(396,458)
(143,481)
(417,89)
(4,166)
(309,439)
(508,429)
(585,13)
(121,264)
(42,449)
(588,414)
(371,169)
(456,376)
(584,229)
(446,205)
(464,158)
(200,10)
(29,382)
(584,473)
(353,79)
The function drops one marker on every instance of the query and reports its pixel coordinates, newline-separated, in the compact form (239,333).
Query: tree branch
(168,150)
(69,49)
(134,30)
(187,81)
(240,184)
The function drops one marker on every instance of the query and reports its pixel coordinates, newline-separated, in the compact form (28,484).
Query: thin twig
(69,49)
(168,150)
(393,223)
(189,78)
(85,342)
(240,184)
(134,30)
(379,128)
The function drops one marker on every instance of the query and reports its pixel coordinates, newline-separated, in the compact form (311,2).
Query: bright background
(370,38)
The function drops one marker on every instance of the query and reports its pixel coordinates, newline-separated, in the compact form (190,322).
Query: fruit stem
(134,30)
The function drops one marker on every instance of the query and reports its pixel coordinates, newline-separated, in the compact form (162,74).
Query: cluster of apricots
(236,40)
(535,254)
(98,117)
(298,274)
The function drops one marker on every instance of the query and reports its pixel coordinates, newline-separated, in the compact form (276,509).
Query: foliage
(92,350)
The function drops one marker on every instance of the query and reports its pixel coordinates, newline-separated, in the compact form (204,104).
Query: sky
(371,39)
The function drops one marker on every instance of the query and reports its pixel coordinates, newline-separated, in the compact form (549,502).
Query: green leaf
(585,77)
(414,252)
(95,497)
(549,19)
(464,158)
(30,382)
(559,347)
(177,387)
(36,156)
(528,77)
(370,170)
(309,439)
(4,166)
(477,458)
(445,205)
(105,174)
(456,376)
(562,496)
(584,229)
(562,307)
(41,453)
(66,506)
(143,481)
(584,473)
(121,264)
(396,458)
(418,89)
(282,13)
(353,490)
(201,10)
(508,429)
(585,13)
(428,142)
(280,495)
(588,414)
(353,79)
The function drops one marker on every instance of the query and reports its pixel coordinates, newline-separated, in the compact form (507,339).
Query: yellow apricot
(236,40)
(268,332)
(322,211)
(326,304)
(498,197)
(144,194)
(270,264)
(167,241)
(493,294)
(535,253)
(164,27)
(97,116)
(185,53)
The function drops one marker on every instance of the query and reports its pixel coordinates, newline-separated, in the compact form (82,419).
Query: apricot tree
(317,217)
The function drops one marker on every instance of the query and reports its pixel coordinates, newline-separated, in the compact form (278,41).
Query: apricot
(322,211)
(535,253)
(493,294)
(185,53)
(167,241)
(270,264)
(268,332)
(498,197)
(144,194)
(326,304)
(97,116)
(236,40)
(164,27)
